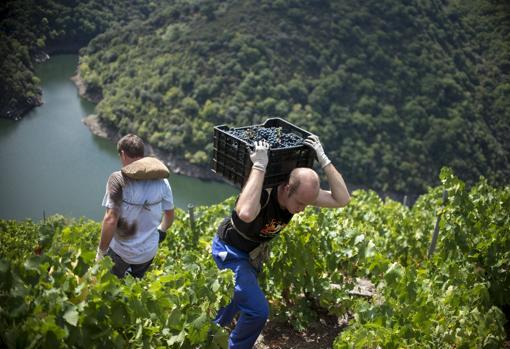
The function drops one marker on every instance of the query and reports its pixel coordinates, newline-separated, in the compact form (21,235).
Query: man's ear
(286,189)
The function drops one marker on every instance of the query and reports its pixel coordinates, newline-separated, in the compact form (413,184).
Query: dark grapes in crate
(232,147)
(275,136)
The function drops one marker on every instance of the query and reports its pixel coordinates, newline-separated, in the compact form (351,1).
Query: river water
(51,163)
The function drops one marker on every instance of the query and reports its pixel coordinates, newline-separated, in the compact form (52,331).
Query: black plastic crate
(231,155)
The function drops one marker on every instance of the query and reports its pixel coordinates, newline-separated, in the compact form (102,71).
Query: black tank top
(267,225)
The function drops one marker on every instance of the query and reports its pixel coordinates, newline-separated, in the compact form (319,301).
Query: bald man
(259,215)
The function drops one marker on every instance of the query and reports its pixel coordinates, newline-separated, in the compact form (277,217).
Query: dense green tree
(29,29)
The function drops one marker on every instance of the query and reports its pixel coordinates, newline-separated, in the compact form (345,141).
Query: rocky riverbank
(101,129)
(16,111)
(175,164)
(82,89)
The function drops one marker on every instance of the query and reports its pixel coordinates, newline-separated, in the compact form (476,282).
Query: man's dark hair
(132,145)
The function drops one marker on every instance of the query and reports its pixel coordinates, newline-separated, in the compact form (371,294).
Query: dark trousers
(121,268)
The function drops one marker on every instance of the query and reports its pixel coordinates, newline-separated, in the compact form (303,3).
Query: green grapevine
(58,297)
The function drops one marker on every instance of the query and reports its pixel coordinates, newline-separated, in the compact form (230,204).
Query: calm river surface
(52,163)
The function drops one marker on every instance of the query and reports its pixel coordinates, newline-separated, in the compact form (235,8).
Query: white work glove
(100,254)
(313,141)
(259,156)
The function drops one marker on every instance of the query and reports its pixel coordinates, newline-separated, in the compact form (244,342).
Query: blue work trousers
(248,298)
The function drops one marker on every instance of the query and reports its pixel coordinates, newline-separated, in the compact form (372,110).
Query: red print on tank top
(272,227)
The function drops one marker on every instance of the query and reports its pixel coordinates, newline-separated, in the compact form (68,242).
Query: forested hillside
(31,29)
(394,89)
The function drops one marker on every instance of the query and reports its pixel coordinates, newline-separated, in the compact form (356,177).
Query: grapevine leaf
(71,316)
(177,338)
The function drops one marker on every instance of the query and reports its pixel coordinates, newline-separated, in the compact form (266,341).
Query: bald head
(301,190)
(305,183)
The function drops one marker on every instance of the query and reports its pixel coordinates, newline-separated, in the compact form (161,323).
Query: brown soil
(319,335)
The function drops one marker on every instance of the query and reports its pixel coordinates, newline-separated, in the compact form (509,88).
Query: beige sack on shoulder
(146,168)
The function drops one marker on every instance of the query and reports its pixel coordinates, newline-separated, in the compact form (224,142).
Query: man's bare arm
(248,204)
(338,195)
(167,220)
(108,227)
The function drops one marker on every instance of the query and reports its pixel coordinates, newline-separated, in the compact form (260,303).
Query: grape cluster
(273,135)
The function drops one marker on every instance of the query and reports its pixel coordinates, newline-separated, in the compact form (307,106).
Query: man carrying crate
(259,216)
